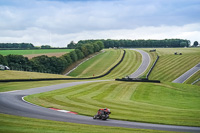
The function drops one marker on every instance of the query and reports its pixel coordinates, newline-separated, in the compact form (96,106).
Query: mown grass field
(103,62)
(37,51)
(131,62)
(16,124)
(170,66)
(99,64)
(170,103)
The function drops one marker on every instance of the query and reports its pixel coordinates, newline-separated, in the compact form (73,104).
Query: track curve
(12,103)
(144,65)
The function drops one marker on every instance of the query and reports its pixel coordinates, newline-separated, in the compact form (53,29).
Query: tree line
(140,43)
(53,64)
(17,45)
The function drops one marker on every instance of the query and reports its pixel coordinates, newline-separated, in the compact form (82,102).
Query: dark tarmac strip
(144,65)
(187,74)
(13,103)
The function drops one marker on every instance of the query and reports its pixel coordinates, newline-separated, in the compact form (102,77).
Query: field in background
(176,104)
(170,66)
(99,64)
(38,51)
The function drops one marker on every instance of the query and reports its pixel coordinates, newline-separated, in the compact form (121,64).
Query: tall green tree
(195,44)
(71,45)
(73,56)
(3,60)
(79,54)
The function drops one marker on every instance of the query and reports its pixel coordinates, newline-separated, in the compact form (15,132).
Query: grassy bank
(193,78)
(16,124)
(170,103)
(99,64)
(170,66)
(11,74)
(131,62)
(37,51)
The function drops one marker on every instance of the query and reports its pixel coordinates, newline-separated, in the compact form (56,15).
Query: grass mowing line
(172,69)
(145,102)
(10,123)
(170,66)
(38,51)
(131,62)
(99,64)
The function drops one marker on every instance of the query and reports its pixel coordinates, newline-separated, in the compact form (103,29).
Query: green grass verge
(11,74)
(169,103)
(16,124)
(99,64)
(11,86)
(170,66)
(38,51)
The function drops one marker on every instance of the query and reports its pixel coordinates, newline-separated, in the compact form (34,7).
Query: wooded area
(140,43)
(17,45)
(50,64)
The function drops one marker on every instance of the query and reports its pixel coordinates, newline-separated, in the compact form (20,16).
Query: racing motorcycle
(102,114)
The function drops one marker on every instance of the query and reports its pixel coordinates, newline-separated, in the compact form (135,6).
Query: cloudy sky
(57,22)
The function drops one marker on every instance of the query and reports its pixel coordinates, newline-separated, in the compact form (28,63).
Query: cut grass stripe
(145,102)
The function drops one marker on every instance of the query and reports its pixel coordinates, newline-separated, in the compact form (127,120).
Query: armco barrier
(152,67)
(47,79)
(137,80)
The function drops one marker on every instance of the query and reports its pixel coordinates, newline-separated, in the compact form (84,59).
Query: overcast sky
(57,22)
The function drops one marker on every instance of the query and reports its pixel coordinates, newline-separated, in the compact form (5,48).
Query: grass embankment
(37,51)
(11,74)
(170,66)
(194,78)
(99,64)
(176,104)
(131,62)
(10,86)
(10,123)
(105,61)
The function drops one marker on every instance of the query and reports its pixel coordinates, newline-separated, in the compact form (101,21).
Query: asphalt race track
(13,103)
(145,63)
(187,74)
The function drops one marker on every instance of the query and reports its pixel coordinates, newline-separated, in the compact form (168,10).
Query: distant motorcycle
(102,114)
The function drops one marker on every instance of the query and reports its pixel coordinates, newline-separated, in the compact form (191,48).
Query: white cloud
(34,21)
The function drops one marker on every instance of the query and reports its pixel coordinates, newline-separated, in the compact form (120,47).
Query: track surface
(145,63)
(13,103)
(187,74)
